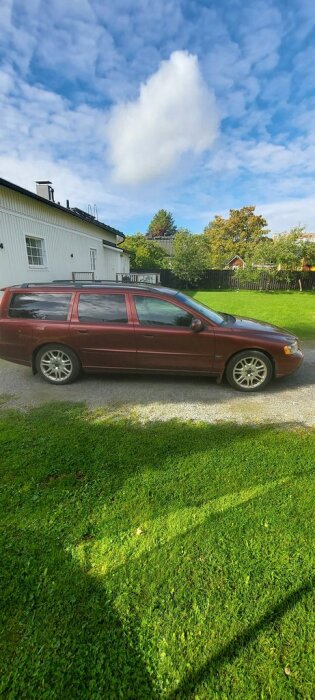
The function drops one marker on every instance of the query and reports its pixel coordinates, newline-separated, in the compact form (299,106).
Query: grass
(294,311)
(168,560)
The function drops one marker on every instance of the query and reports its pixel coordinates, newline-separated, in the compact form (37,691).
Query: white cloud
(174,114)
(79,58)
(69,183)
(280,215)
(42,136)
(74,183)
(284,215)
(275,161)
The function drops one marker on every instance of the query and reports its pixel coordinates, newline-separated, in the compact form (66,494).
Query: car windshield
(201,308)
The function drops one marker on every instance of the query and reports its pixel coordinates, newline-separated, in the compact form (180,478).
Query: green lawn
(292,310)
(168,560)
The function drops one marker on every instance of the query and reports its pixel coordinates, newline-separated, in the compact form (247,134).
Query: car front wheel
(250,371)
(57,364)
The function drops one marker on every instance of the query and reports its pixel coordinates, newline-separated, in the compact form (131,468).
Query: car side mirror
(196,325)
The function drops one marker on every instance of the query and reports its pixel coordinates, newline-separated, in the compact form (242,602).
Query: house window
(36,251)
(93,259)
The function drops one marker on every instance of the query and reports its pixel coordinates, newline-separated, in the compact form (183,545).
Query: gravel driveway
(290,400)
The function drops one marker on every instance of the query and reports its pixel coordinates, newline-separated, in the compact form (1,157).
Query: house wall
(64,236)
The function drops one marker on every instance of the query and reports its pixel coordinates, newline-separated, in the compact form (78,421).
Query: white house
(42,241)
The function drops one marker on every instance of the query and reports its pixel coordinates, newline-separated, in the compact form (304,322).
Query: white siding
(67,242)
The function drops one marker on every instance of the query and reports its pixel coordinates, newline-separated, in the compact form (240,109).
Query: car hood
(251,324)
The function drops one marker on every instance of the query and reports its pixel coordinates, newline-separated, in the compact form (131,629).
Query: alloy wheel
(250,372)
(56,365)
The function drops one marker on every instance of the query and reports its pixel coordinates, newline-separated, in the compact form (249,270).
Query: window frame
(33,266)
(93,258)
(95,322)
(161,326)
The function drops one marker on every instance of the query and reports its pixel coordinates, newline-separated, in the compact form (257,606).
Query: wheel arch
(264,352)
(43,345)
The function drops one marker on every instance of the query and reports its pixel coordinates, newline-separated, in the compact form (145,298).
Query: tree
(236,235)
(261,254)
(291,251)
(190,256)
(277,257)
(162,224)
(308,251)
(145,254)
(288,251)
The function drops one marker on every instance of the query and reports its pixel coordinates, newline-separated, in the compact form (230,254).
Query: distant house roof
(303,236)
(165,242)
(78,213)
(235,257)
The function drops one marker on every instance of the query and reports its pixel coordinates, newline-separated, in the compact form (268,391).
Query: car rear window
(102,308)
(48,307)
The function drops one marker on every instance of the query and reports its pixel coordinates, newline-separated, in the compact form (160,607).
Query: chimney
(45,190)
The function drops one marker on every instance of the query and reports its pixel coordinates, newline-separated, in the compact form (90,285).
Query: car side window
(157,312)
(46,307)
(102,308)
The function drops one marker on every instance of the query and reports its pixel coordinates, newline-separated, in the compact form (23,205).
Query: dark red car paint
(132,347)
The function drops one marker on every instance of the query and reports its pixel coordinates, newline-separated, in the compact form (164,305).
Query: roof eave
(59,207)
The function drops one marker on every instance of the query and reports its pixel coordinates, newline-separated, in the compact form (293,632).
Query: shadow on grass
(62,635)
(63,468)
(191,682)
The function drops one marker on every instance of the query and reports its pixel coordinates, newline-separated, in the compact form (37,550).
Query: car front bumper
(288,364)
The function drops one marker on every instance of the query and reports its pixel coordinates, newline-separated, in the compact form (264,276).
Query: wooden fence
(227,279)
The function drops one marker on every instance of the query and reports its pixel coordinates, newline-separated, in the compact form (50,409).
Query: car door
(102,332)
(165,340)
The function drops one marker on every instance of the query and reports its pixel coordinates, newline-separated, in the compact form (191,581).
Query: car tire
(57,364)
(249,371)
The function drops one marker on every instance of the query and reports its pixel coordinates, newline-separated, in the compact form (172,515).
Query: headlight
(291,349)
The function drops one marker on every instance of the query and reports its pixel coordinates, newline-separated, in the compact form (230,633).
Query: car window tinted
(102,308)
(50,307)
(156,312)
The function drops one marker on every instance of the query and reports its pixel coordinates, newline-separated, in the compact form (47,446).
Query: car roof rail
(96,284)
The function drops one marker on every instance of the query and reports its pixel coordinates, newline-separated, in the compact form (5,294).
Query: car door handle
(82,331)
(147,335)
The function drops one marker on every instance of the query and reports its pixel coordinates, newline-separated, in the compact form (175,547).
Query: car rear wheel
(57,364)
(250,371)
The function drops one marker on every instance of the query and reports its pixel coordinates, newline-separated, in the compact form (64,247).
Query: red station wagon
(58,329)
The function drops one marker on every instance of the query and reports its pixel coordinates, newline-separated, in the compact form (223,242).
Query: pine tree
(162,225)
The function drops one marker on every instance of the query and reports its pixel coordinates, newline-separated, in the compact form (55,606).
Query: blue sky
(197,107)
